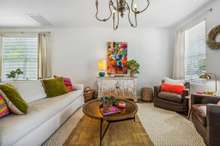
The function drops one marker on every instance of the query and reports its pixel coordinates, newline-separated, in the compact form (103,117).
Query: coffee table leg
(102,133)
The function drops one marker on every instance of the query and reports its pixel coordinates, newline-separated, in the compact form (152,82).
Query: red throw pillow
(67,83)
(173,88)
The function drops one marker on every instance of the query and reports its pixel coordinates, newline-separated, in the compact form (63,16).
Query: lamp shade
(205,76)
(102,65)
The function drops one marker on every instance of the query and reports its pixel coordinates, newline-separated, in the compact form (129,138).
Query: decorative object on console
(209,76)
(212,43)
(102,66)
(117,58)
(3,107)
(133,67)
(54,87)
(13,99)
(119,9)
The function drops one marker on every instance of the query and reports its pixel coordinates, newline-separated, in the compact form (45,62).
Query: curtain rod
(21,32)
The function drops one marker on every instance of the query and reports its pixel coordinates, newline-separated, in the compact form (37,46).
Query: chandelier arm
(97,11)
(115,26)
(129,17)
(138,12)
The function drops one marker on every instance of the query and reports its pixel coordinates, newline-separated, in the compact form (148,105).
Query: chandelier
(119,9)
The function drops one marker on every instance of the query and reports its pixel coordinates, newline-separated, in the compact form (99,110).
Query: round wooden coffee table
(92,110)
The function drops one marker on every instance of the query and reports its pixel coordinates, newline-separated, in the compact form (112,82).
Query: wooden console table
(124,87)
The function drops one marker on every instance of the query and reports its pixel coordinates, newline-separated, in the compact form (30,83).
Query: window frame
(185,54)
(17,35)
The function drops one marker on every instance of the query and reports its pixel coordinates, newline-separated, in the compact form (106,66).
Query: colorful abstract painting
(117,57)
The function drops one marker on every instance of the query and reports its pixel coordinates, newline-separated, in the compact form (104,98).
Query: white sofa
(44,115)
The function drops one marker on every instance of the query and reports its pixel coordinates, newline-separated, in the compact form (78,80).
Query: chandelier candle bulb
(135,7)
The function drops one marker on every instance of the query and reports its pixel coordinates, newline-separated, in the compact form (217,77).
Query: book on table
(110,111)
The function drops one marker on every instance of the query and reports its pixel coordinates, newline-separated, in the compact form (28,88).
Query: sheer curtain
(179,56)
(44,55)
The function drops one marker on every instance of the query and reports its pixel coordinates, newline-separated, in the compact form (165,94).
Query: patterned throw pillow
(13,99)
(3,107)
(67,83)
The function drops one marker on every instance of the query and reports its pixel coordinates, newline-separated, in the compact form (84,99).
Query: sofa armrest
(79,86)
(202,99)
(156,90)
(213,123)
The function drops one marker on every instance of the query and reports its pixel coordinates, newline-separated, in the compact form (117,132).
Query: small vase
(132,74)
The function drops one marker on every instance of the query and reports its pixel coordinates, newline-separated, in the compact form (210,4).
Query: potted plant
(14,74)
(133,67)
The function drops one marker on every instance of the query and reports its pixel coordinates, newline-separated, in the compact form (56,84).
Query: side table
(88,94)
(147,94)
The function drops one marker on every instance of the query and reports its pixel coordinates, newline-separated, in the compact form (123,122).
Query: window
(195,51)
(20,52)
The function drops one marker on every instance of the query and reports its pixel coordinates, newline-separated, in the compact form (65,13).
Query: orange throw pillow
(173,88)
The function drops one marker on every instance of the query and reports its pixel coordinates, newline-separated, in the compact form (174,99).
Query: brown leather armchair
(206,118)
(172,101)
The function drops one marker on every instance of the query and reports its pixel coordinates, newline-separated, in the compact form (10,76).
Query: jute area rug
(125,133)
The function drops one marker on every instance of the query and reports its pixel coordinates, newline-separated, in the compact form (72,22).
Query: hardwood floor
(125,133)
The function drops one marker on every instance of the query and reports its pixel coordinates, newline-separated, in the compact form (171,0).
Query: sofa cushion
(3,107)
(199,112)
(170,96)
(30,90)
(173,88)
(54,87)
(39,112)
(13,99)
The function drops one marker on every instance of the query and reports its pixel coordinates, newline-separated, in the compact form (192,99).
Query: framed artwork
(117,56)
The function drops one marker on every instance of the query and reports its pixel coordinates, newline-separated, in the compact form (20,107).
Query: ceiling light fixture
(118,9)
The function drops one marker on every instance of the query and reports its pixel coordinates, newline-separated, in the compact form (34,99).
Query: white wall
(214,55)
(77,50)
(212,20)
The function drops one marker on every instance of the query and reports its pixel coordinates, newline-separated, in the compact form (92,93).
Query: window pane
(195,53)
(22,53)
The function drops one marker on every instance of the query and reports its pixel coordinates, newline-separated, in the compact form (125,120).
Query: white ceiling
(80,13)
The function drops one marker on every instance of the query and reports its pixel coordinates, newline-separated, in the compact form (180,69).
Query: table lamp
(102,66)
(209,76)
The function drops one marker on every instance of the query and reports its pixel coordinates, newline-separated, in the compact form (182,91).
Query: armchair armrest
(202,99)
(213,123)
(156,90)
(186,93)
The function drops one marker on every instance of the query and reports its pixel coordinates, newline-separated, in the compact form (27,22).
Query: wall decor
(212,42)
(117,57)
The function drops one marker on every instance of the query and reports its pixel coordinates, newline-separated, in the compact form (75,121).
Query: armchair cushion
(171,96)
(199,112)
(173,88)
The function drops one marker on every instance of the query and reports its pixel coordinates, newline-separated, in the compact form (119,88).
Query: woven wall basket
(212,43)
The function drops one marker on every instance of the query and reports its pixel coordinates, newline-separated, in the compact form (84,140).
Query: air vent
(40,19)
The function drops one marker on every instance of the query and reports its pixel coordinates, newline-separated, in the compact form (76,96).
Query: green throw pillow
(54,87)
(13,99)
